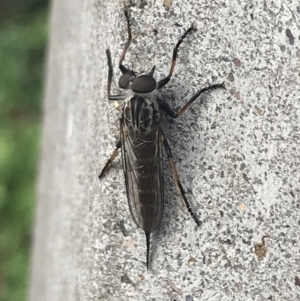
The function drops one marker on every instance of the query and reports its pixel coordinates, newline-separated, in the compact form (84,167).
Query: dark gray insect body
(142,139)
(142,160)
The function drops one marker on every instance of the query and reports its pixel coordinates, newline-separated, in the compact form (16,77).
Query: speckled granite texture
(237,155)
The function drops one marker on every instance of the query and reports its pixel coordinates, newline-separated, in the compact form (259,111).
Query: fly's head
(140,83)
(141,112)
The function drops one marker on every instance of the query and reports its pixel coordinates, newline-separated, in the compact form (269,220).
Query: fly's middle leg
(109,162)
(176,177)
(166,108)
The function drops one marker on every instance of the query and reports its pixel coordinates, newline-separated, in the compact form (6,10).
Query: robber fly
(142,139)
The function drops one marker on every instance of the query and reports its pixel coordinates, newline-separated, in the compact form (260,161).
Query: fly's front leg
(123,69)
(165,80)
(108,164)
(166,108)
(129,39)
(110,72)
(176,177)
(115,97)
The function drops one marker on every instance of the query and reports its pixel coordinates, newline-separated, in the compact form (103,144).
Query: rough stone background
(237,154)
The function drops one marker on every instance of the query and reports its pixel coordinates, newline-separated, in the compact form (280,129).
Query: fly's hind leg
(176,178)
(109,162)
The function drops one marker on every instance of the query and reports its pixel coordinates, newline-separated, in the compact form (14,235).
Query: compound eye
(124,80)
(143,84)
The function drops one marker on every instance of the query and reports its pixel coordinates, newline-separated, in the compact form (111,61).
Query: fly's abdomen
(150,194)
(142,159)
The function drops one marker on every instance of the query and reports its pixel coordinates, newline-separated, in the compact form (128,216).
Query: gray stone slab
(237,155)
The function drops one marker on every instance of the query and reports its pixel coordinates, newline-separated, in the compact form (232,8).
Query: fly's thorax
(141,113)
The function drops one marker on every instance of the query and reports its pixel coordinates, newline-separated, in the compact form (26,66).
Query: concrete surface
(237,155)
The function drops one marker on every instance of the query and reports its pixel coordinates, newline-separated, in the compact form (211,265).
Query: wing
(142,164)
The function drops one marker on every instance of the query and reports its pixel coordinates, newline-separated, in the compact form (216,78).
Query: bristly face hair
(142,139)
